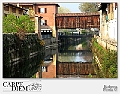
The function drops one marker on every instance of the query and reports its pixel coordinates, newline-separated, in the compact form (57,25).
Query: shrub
(12,24)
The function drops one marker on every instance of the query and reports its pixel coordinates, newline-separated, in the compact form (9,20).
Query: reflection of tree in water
(66,58)
(71,47)
(88,58)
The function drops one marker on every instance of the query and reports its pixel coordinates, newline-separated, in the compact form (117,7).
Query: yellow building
(12,9)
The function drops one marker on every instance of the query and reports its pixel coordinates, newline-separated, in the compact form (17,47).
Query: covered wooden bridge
(77,20)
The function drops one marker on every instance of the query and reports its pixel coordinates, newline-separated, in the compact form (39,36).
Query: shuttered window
(42,10)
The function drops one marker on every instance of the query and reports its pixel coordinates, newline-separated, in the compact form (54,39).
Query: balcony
(6,9)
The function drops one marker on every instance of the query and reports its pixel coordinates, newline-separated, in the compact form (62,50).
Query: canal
(67,60)
(75,59)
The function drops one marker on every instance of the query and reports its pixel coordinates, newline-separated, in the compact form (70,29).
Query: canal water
(72,60)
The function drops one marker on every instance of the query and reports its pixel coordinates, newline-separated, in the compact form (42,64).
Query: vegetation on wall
(12,24)
(107,59)
(19,56)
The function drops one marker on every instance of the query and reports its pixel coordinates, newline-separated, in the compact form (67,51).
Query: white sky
(73,7)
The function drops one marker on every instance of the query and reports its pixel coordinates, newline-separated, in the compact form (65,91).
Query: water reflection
(54,63)
(49,68)
(67,62)
(77,57)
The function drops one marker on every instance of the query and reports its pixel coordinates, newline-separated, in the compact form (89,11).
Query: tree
(87,7)
(24,23)
(63,10)
(9,24)
(13,24)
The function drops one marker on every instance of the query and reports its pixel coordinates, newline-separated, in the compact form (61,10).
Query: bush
(108,60)
(13,24)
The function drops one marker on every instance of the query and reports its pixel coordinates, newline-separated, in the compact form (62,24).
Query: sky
(73,7)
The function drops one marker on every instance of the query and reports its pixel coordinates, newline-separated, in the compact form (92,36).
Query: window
(14,10)
(20,11)
(42,10)
(43,22)
(46,69)
(6,8)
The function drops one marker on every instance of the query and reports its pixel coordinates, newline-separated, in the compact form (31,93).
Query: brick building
(46,24)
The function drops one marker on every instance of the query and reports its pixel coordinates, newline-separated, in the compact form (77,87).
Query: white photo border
(69,86)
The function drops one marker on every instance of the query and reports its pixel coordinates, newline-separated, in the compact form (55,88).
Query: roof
(37,3)
(13,6)
(77,14)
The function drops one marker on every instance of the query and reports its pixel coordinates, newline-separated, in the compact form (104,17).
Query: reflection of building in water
(49,68)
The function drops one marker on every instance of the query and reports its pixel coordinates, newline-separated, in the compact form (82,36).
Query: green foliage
(34,76)
(13,24)
(66,32)
(84,44)
(87,7)
(21,50)
(9,24)
(24,22)
(63,10)
(90,75)
(108,60)
(83,31)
